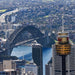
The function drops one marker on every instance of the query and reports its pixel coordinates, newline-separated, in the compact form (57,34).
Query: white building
(29,73)
(32,68)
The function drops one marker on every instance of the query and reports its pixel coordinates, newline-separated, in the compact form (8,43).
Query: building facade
(8,73)
(1,66)
(9,64)
(57,62)
(48,68)
(31,67)
(37,57)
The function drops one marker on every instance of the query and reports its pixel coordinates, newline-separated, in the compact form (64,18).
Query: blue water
(26,51)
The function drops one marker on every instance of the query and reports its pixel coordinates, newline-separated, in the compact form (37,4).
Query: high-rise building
(63,48)
(13,67)
(57,62)
(8,72)
(9,64)
(48,68)
(37,57)
(9,67)
(1,66)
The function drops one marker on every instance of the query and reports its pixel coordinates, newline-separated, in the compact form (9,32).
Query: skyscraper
(63,48)
(57,62)
(57,59)
(48,68)
(37,57)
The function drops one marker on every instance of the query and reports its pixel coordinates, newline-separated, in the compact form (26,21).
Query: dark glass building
(37,57)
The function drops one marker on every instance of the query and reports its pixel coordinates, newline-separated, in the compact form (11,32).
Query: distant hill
(31,0)
(7,3)
(48,0)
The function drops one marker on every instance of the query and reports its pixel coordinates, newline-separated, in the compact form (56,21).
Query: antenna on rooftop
(62,22)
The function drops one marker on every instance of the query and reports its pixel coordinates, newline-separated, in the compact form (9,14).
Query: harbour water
(25,52)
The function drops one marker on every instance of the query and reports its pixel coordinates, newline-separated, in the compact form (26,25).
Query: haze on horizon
(34,0)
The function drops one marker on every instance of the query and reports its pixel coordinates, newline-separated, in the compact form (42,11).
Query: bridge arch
(16,36)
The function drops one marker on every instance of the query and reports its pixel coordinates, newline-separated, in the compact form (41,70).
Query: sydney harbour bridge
(18,38)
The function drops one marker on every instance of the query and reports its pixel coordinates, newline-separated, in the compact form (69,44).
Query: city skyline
(29,43)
